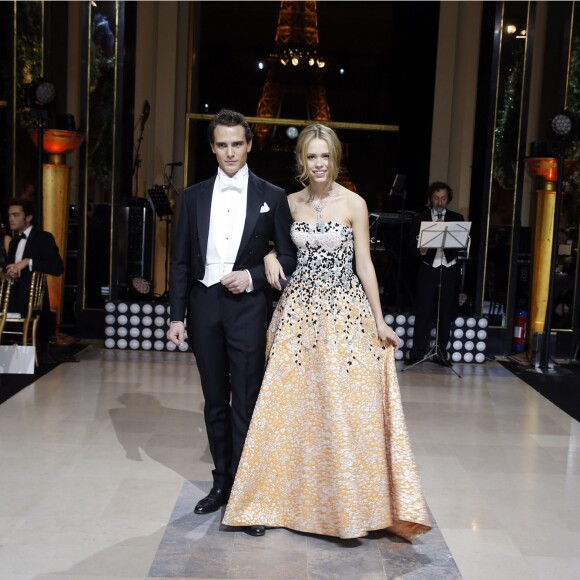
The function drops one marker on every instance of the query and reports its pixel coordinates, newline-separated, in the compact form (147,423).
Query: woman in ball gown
(328,451)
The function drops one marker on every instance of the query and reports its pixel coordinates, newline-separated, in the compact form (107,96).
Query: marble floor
(103,460)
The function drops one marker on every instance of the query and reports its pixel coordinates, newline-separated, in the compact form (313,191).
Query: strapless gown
(328,451)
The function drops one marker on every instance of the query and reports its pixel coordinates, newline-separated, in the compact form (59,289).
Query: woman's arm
(365,268)
(274,270)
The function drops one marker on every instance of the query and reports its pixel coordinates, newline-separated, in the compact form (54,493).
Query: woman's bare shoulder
(353,199)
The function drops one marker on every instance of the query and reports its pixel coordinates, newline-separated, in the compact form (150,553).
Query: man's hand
(13,270)
(176,333)
(236,282)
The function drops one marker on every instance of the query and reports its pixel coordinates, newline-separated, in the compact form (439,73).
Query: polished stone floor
(103,460)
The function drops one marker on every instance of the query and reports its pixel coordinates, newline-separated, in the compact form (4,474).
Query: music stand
(398,188)
(441,236)
(159,201)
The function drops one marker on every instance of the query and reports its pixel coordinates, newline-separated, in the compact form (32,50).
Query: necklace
(318,205)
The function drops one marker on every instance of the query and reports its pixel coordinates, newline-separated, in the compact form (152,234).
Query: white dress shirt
(20,247)
(226,224)
(440,259)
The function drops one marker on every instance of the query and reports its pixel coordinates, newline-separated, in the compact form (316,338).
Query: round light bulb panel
(562,125)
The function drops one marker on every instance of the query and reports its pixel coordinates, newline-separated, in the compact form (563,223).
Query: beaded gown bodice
(325,252)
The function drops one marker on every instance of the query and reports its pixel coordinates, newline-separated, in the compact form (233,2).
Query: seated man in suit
(31,250)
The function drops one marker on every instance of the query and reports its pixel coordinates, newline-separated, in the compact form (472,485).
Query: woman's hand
(274,270)
(386,333)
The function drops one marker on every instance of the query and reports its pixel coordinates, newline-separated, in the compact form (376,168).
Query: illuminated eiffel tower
(294,88)
(294,71)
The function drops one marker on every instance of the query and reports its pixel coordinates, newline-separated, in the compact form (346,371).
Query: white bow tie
(230,183)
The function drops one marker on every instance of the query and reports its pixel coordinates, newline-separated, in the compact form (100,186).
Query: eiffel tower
(295,71)
(294,87)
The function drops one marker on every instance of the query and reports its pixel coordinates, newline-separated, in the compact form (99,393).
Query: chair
(24,325)
(5,287)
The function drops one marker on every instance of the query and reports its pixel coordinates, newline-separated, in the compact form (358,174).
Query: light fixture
(562,124)
(39,94)
(510,28)
(299,57)
(292,132)
(141,286)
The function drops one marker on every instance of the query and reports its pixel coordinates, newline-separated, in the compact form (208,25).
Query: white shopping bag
(16,359)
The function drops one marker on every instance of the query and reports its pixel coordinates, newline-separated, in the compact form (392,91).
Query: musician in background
(434,265)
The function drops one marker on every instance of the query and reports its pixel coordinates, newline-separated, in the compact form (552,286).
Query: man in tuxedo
(435,265)
(218,281)
(31,250)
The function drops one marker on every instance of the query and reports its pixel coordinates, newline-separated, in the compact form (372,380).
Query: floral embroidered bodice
(325,252)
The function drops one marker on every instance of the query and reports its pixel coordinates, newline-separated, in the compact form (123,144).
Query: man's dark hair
(435,186)
(229,119)
(27,207)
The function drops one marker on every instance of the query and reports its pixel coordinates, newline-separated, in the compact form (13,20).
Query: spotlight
(141,287)
(562,124)
(39,94)
(292,132)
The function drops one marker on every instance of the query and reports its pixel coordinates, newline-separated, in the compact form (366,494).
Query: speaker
(136,240)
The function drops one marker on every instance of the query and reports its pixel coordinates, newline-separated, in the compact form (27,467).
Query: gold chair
(5,287)
(25,325)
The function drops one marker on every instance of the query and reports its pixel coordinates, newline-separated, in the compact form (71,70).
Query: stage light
(39,94)
(562,124)
(141,286)
(510,28)
(292,132)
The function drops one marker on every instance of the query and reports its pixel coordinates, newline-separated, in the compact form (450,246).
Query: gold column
(543,235)
(55,186)
(547,169)
(55,192)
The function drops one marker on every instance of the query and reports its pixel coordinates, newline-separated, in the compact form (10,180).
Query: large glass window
(508,148)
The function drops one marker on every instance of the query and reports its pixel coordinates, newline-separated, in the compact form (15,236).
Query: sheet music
(445,235)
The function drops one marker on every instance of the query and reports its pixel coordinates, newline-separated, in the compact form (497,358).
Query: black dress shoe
(255,530)
(213,501)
